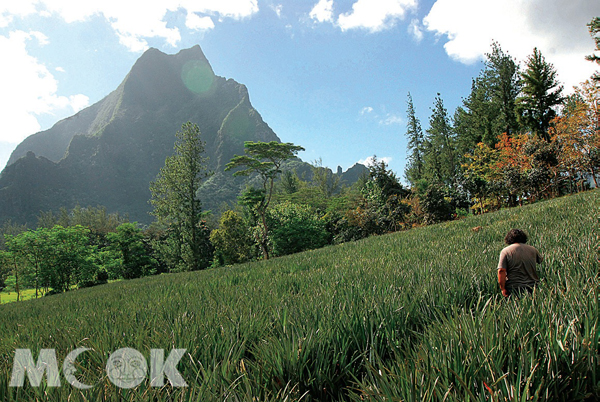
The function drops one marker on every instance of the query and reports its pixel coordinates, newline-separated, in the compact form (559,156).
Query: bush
(295,228)
(437,207)
(232,241)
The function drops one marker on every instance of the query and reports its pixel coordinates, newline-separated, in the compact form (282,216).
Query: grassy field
(412,316)
(10,297)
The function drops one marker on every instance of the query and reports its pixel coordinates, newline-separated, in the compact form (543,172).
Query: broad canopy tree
(131,259)
(577,131)
(264,159)
(54,258)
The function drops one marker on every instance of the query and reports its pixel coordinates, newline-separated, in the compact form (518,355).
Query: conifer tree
(474,121)
(416,145)
(594,28)
(440,157)
(490,108)
(503,76)
(176,204)
(540,94)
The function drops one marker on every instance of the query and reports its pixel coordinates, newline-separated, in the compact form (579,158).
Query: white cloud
(235,9)
(391,119)
(375,15)
(278,8)
(415,30)
(134,20)
(11,9)
(197,23)
(29,89)
(556,27)
(370,114)
(322,11)
(370,160)
(78,102)
(60,70)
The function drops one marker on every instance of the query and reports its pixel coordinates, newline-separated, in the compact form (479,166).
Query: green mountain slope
(414,315)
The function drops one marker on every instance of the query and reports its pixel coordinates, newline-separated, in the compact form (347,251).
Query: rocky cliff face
(108,153)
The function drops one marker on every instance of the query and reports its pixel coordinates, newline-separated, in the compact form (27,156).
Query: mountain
(108,153)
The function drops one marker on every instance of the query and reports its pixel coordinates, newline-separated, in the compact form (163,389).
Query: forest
(518,138)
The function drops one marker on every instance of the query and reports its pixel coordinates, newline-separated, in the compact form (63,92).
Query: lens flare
(197,76)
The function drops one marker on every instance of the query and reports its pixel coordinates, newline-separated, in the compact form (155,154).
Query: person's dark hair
(515,236)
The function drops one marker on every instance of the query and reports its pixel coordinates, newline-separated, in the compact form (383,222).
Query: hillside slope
(414,315)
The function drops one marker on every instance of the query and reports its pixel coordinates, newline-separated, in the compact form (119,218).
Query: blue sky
(330,75)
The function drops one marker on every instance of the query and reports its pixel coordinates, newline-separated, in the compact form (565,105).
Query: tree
(324,179)
(475,120)
(540,94)
(503,76)
(594,28)
(383,207)
(96,219)
(68,256)
(440,158)
(232,241)
(416,145)
(10,228)
(578,133)
(4,271)
(543,178)
(514,164)
(133,260)
(56,258)
(9,262)
(290,182)
(490,109)
(176,204)
(30,246)
(482,176)
(265,160)
(436,204)
(295,228)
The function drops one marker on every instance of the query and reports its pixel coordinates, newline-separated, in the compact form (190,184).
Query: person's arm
(502,266)
(502,281)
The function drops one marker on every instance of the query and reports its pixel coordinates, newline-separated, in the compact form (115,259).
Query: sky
(330,75)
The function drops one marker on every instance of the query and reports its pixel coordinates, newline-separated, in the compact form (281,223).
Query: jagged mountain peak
(155,80)
(108,153)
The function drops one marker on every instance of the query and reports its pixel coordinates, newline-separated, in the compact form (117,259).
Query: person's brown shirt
(520,260)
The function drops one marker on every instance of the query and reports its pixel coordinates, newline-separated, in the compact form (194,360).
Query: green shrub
(295,228)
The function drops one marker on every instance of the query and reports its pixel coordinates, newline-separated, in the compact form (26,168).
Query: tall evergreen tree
(540,94)
(503,75)
(490,108)
(176,204)
(416,145)
(594,28)
(474,121)
(440,155)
